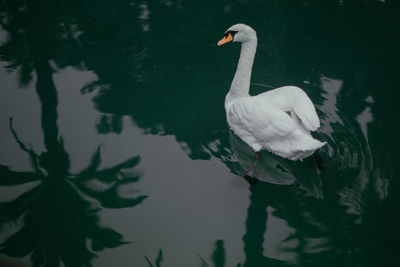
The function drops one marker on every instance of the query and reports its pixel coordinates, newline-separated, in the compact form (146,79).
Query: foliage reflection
(166,76)
(59,214)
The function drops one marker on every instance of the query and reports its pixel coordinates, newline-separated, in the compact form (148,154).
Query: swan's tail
(298,147)
(301,154)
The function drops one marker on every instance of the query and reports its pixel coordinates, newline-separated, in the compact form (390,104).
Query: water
(115,150)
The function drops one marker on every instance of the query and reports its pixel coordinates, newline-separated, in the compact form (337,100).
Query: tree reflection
(312,232)
(165,75)
(59,214)
(256,225)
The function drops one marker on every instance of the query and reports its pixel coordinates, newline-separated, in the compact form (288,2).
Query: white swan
(278,120)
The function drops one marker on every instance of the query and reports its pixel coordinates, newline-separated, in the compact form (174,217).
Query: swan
(279,120)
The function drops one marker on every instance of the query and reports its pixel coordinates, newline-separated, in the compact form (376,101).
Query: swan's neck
(241,82)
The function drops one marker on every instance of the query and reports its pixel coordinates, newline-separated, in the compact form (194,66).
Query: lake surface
(115,151)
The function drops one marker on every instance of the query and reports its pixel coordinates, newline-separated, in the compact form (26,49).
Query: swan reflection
(274,169)
(270,168)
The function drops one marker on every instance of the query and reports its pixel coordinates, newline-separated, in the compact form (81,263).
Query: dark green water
(114,149)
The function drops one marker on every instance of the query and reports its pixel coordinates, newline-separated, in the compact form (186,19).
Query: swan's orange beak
(227,38)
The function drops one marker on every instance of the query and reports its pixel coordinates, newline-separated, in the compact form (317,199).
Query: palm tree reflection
(59,214)
(61,206)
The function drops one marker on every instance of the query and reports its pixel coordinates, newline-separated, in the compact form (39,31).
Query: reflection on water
(274,169)
(270,168)
(58,216)
(347,148)
(168,79)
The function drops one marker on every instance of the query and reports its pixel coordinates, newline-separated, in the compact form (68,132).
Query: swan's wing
(259,119)
(305,110)
(291,98)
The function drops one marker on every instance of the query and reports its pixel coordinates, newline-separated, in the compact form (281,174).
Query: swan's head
(239,33)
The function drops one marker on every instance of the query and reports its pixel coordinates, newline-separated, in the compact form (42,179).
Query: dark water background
(114,149)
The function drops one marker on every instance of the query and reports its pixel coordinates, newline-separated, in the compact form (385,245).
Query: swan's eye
(230,32)
(228,37)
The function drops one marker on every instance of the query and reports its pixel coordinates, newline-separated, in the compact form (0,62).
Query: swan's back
(279,120)
(291,98)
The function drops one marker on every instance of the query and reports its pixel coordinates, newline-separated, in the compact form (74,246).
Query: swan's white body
(278,120)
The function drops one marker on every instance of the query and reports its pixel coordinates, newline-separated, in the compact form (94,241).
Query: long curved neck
(241,82)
